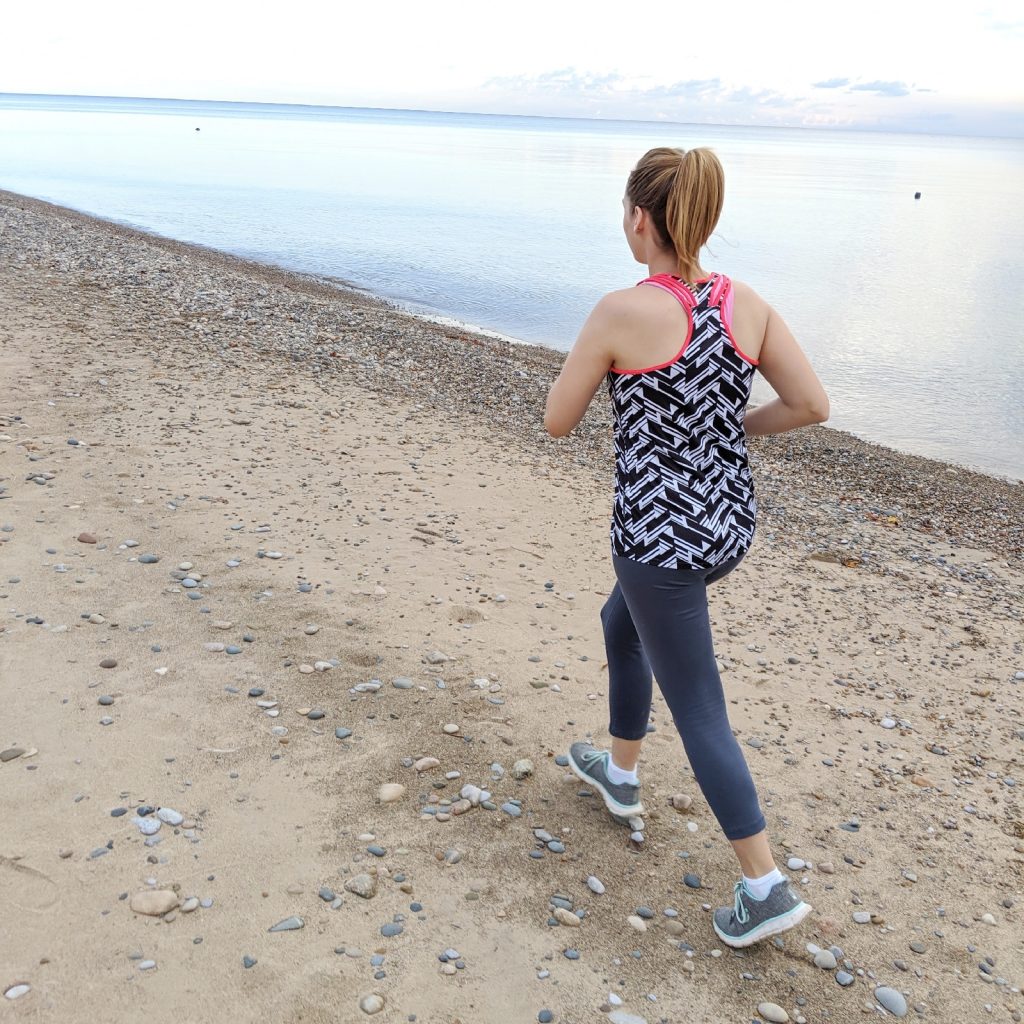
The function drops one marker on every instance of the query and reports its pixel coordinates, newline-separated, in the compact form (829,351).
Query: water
(908,309)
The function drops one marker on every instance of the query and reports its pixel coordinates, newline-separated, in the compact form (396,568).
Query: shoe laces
(590,756)
(740,913)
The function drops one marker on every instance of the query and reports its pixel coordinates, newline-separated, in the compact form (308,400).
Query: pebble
(402,683)
(153,902)
(169,816)
(11,753)
(424,764)
(17,991)
(622,1017)
(289,924)
(918,947)
(342,733)
(522,769)
(773,1012)
(844,978)
(451,728)
(391,929)
(796,864)
(192,903)
(566,917)
(371,1004)
(545,1017)
(637,923)
(362,885)
(249,961)
(595,884)
(108,663)
(571,954)
(861,917)
(147,965)
(390,792)
(892,1000)
(692,881)
(825,960)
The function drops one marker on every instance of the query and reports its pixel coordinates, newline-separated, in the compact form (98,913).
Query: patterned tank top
(684,495)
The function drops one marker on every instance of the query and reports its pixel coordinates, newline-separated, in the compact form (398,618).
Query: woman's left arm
(584,369)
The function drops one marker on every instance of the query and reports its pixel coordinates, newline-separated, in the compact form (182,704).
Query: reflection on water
(906,308)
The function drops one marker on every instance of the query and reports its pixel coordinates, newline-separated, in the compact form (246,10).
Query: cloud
(615,86)
(882,88)
(832,83)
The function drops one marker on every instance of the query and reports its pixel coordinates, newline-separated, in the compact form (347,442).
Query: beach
(300,611)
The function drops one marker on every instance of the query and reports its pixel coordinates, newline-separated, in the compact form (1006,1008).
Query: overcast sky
(900,64)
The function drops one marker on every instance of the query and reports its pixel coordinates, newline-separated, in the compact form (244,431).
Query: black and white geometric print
(684,494)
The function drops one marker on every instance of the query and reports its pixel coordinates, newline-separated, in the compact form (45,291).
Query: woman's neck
(666,263)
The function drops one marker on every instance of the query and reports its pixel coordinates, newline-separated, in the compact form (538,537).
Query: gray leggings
(657,619)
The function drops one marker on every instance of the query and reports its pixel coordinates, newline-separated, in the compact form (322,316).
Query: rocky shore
(299,614)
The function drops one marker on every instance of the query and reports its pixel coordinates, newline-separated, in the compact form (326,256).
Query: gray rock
(248,961)
(364,886)
(825,960)
(892,1000)
(342,733)
(844,978)
(773,1012)
(289,924)
(391,929)
(402,683)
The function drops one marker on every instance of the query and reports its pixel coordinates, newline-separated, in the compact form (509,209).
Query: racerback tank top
(684,494)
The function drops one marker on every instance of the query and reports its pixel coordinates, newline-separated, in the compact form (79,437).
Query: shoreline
(346,290)
(289,578)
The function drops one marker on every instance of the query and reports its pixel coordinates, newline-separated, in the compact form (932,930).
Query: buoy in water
(917,195)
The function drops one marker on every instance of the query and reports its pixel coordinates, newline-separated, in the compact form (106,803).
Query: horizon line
(548,117)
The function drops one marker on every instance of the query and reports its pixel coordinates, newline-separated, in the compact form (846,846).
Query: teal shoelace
(739,909)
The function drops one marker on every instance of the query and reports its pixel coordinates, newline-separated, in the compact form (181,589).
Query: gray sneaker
(591,765)
(748,920)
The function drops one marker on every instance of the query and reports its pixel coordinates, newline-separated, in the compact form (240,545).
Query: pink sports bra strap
(672,285)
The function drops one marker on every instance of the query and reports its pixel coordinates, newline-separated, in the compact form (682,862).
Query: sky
(901,65)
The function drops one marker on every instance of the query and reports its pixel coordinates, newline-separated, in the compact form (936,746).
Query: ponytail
(683,192)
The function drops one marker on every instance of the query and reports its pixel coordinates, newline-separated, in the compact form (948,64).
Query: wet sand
(348,496)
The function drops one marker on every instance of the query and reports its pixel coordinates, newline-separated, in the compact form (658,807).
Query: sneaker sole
(616,809)
(782,923)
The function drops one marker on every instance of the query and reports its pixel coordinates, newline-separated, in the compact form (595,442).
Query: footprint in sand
(24,887)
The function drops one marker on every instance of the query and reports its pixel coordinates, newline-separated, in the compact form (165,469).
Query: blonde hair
(683,191)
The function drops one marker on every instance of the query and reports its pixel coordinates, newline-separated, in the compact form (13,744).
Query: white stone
(169,816)
(637,922)
(622,1017)
(451,729)
(773,1012)
(153,902)
(371,1004)
(147,826)
(595,885)
(17,991)
(390,792)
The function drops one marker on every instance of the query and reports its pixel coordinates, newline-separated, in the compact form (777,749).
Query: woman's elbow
(818,411)
(553,427)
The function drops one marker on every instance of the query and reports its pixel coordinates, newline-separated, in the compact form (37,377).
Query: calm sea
(909,309)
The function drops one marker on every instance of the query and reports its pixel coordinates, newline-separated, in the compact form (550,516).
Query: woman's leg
(629,682)
(668,609)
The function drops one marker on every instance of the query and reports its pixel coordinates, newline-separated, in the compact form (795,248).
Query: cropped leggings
(657,619)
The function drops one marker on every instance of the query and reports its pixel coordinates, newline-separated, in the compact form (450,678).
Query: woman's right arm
(802,399)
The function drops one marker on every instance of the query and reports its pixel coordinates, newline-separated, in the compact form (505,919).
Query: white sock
(760,887)
(619,776)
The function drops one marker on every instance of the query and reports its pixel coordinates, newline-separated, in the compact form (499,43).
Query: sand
(387,481)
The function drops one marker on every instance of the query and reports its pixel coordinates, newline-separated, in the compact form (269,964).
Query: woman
(679,356)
